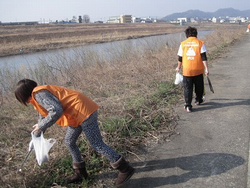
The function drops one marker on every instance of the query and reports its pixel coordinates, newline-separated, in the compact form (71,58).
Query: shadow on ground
(203,165)
(222,103)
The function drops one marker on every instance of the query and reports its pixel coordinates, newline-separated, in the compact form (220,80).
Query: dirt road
(212,149)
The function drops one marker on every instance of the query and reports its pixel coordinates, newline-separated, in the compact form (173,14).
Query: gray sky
(44,10)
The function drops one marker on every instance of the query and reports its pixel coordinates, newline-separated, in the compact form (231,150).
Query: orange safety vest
(248,26)
(76,106)
(191,57)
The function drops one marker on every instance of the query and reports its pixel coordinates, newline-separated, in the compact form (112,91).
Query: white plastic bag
(178,78)
(42,146)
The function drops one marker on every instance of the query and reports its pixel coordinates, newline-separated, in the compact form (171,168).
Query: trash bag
(178,78)
(41,146)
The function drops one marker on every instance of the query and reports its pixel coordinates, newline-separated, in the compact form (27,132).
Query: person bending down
(78,113)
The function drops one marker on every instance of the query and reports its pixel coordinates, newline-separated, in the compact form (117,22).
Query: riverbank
(136,96)
(34,38)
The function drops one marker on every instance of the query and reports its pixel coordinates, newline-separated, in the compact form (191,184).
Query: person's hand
(206,72)
(36,129)
(177,69)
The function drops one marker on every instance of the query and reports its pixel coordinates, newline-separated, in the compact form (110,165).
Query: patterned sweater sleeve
(54,107)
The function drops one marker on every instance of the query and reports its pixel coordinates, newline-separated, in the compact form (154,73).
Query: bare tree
(86,18)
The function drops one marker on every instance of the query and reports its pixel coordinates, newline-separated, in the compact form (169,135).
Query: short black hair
(24,89)
(191,32)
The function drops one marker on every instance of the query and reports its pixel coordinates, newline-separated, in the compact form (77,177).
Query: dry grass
(135,94)
(46,37)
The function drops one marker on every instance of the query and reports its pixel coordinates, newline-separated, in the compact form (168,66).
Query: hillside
(231,12)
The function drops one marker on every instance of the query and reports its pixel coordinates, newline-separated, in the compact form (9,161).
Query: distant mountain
(231,12)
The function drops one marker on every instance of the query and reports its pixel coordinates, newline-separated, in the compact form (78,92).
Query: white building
(215,20)
(114,19)
(182,20)
(136,20)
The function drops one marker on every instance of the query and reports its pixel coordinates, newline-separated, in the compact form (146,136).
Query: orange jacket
(76,106)
(191,57)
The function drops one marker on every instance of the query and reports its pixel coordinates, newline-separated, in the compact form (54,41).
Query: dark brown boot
(80,173)
(125,171)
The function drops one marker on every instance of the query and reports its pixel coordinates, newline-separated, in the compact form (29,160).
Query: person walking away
(78,113)
(193,60)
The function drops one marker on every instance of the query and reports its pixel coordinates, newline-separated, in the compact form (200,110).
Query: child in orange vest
(192,57)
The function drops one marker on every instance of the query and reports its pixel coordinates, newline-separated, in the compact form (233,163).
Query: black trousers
(189,83)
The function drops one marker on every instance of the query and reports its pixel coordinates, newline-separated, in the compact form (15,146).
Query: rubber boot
(125,171)
(80,173)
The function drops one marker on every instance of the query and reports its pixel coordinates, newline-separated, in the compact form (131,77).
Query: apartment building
(126,18)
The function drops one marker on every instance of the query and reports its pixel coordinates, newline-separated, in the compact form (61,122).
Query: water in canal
(103,49)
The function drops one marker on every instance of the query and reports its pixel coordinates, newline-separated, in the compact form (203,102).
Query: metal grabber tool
(31,148)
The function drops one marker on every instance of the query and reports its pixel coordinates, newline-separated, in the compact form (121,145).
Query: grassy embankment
(135,93)
(47,37)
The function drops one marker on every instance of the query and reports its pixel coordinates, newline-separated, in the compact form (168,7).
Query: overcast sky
(40,10)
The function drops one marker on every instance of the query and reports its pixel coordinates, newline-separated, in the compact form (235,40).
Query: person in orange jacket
(70,108)
(248,28)
(193,60)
